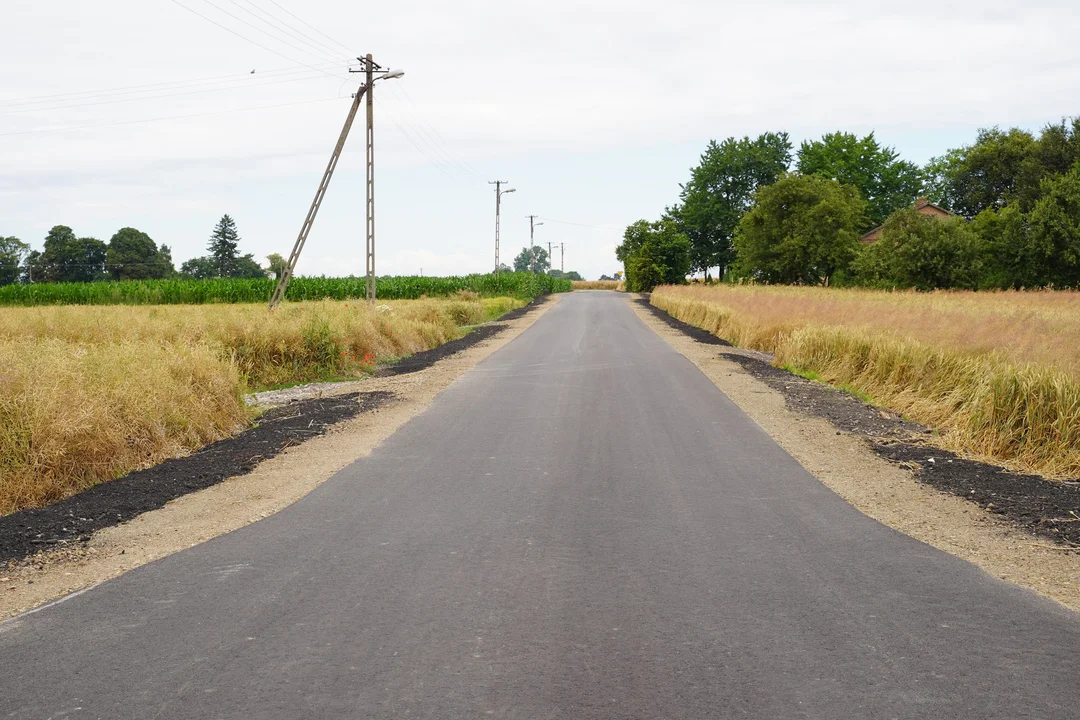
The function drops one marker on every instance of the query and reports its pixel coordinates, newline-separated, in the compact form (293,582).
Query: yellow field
(90,393)
(997,373)
(599,285)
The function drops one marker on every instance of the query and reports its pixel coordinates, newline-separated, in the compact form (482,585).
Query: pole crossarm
(305,229)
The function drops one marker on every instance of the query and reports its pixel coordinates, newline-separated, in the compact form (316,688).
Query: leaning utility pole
(368,67)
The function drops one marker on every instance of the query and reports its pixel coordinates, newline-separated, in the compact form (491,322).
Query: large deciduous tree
(985,175)
(133,255)
(885,182)
(67,258)
(801,230)
(654,254)
(12,254)
(721,189)
(536,260)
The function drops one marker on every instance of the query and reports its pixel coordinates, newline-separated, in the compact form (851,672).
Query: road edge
(843,462)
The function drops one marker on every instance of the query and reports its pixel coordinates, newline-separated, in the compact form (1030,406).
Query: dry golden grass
(998,373)
(599,285)
(89,393)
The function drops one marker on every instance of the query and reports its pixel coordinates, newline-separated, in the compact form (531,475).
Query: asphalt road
(582,527)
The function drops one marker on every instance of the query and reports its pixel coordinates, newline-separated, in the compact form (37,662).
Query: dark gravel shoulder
(74,519)
(1043,507)
(427,358)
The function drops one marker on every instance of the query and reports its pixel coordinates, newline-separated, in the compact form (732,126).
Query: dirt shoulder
(270,486)
(839,452)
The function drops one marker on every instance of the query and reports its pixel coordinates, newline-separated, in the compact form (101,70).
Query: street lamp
(499,192)
(532,246)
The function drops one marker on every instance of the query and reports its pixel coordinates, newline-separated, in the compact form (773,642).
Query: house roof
(919,205)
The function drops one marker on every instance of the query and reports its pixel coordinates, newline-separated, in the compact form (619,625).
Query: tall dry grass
(90,393)
(997,373)
(599,285)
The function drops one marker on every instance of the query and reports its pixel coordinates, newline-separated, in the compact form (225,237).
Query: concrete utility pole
(532,246)
(562,258)
(499,192)
(368,67)
(551,258)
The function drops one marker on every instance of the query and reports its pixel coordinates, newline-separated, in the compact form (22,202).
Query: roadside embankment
(90,393)
(996,374)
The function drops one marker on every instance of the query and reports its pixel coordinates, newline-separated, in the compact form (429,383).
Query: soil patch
(427,358)
(74,519)
(1043,507)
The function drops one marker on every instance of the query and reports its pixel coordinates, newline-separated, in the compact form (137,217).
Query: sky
(145,113)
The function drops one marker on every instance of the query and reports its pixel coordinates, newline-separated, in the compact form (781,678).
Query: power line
(441,148)
(301,20)
(416,145)
(244,37)
(130,89)
(259,29)
(335,51)
(171,117)
(315,50)
(432,146)
(469,167)
(156,97)
(595,227)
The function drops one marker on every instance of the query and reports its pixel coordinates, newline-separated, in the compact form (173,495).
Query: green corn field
(243,290)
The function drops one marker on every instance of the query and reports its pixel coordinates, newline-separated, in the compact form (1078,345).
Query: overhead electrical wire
(315,29)
(437,146)
(180,84)
(256,28)
(414,143)
(333,51)
(462,162)
(156,97)
(170,117)
(244,37)
(312,49)
(594,227)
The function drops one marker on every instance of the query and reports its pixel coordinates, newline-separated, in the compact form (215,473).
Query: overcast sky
(593,110)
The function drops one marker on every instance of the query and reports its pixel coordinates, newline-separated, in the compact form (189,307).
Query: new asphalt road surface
(581,527)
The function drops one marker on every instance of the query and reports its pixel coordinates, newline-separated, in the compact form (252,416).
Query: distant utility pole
(369,67)
(499,192)
(532,247)
(551,258)
(562,258)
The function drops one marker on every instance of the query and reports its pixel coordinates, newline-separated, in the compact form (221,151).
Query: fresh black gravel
(427,358)
(1044,507)
(111,503)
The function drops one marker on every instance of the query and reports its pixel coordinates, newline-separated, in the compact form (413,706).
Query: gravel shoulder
(312,432)
(1014,527)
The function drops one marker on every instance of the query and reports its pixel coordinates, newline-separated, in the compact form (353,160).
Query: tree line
(757,209)
(129,255)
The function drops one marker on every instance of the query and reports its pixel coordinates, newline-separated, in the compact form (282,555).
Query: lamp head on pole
(509,191)
(391,75)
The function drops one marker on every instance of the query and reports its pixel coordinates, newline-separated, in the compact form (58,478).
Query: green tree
(885,182)
(277,265)
(133,255)
(247,267)
(721,188)
(801,229)
(67,258)
(12,254)
(568,275)
(654,254)
(1005,239)
(199,268)
(1053,251)
(223,247)
(536,261)
(986,175)
(922,252)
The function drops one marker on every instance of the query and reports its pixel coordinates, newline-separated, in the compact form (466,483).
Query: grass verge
(997,373)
